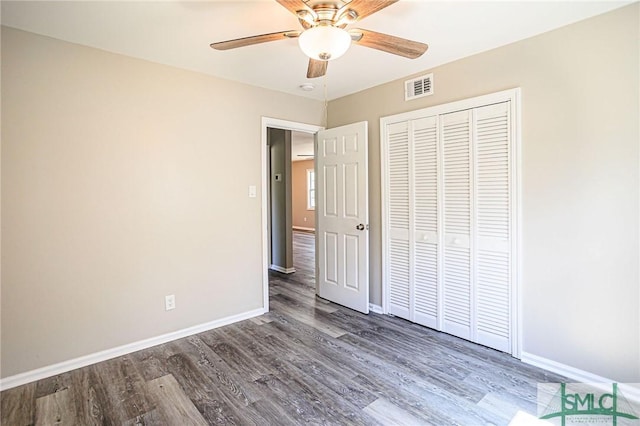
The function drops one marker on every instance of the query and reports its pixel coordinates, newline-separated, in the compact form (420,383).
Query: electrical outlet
(169,302)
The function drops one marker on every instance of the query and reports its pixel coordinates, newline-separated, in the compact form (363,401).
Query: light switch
(252,191)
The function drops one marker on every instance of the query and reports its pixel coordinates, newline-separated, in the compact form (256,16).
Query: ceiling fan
(324,36)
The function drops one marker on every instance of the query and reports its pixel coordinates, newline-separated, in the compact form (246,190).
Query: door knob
(360,227)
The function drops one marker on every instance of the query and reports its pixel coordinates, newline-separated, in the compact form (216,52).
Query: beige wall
(300,211)
(580,158)
(120,185)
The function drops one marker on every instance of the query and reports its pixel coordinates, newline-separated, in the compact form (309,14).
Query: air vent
(418,87)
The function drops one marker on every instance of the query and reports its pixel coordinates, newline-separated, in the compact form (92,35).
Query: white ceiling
(178,33)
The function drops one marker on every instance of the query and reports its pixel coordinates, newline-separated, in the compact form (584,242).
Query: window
(311,189)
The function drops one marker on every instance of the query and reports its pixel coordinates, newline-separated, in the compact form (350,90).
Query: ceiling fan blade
(365,8)
(248,41)
(301,10)
(316,68)
(293,6)
(388,43)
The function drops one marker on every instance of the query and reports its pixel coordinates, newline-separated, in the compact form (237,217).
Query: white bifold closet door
(413,220)
(448,206)
(493,225)
(456,276)
(399,265)
(425,220)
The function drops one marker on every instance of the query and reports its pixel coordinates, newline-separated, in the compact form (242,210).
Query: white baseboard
(377,309)
(302,228)
(563,369)
(283,270)
(83,361)
(630,390)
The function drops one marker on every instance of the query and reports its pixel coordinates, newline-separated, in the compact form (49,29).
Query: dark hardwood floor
(306,361)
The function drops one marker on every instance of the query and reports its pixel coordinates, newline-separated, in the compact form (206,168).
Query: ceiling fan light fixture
(324,42)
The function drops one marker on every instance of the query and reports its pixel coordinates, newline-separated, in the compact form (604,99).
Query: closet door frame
(513,96)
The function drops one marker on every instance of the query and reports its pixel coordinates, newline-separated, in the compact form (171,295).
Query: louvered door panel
(398,169)
(399,278)
(456,137)
(457,291)
(425,166)
(493,324)
(425,208)
(493,228)
(398,213)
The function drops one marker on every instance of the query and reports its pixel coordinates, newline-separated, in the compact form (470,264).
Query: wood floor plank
(220,399)
(151,362)
(18,405)
(308,319)
(224,377)
(260,320)
(423,364)
(276,354)
(57,408)
(272,413)
(238,398)
(299,364)
(151,418)
(415,405)
(300,297)
(389,414)
(170,399)
(235,356)
(120,389)
(52,384)
(251,404)
(501,406)
(85,392)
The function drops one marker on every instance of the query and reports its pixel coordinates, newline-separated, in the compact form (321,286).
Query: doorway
(300,128)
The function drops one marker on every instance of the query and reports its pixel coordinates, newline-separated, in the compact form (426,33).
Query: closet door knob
(360,227)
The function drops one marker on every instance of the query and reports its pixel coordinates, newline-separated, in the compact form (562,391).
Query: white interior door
(494,206)
(342,216)
(396,199)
